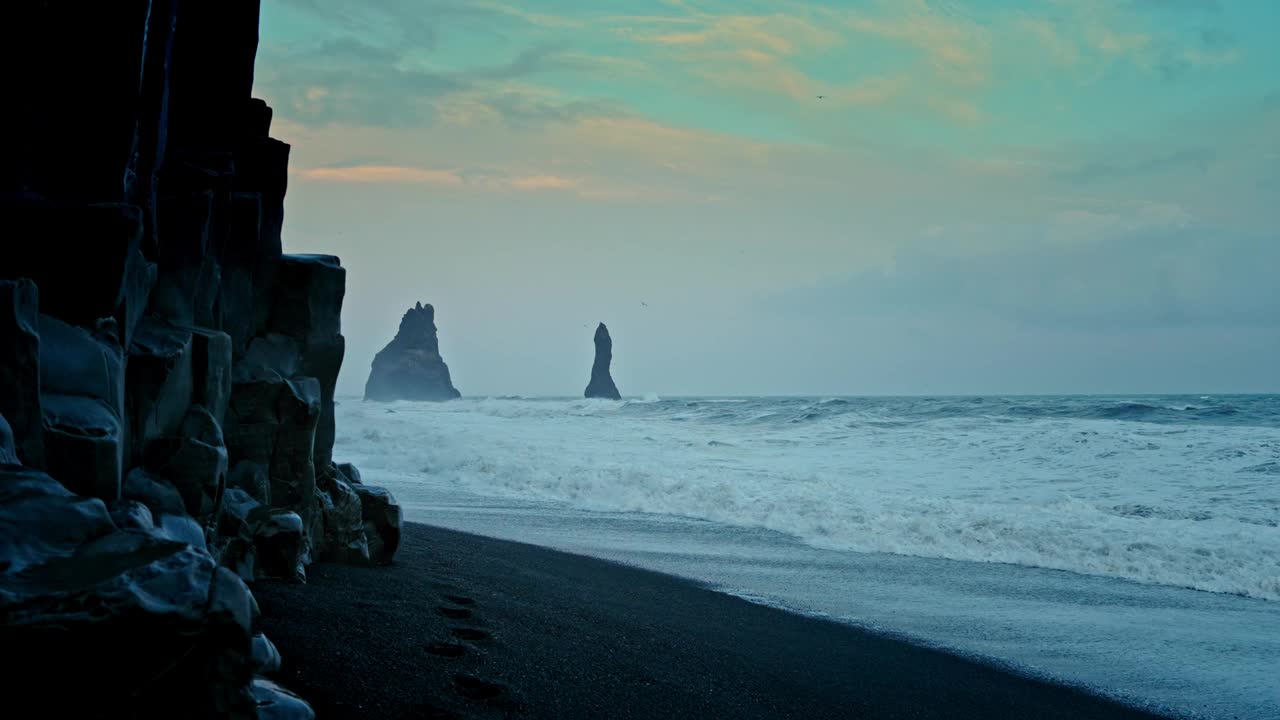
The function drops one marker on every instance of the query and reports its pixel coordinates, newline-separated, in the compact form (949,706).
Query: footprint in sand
(472,634)
(446,649)
(473,688)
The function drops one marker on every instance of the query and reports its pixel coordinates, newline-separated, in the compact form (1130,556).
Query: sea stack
(601,385)
(410,366)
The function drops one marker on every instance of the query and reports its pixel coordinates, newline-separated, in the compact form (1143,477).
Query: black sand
(464,626)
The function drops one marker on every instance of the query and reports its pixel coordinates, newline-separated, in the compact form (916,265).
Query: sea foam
(1166,491)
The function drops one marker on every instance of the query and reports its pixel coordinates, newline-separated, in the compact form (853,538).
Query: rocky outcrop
(166,372)
(601,385)
(410,366)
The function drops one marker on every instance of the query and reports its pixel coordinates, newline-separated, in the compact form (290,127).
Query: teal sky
(989,195)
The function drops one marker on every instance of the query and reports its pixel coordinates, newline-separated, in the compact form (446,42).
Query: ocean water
(1130,545)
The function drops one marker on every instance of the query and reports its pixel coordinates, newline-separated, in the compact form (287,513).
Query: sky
(784,197)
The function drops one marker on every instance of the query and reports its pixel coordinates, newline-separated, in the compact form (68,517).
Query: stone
(344,539)
(188,269)
(382,520)
(140,279)
(8,452)
(272,420)
(175,627)
(83,362)
(410,366)
(84,444)
(211,370)
(158,494)
(41,520)
(350,472)
(194,460)
(268,354)
(266,658)
(279,544)
(308,308)
(601,385)
(235,548)
(181,528)
(248,268)
(160,382)
(20,369)
(251,478)
(131,515)
(276,703)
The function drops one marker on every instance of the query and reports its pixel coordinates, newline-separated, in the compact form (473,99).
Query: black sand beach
(470,627)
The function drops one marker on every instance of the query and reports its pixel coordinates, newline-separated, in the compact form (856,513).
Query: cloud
(1090,271)
(1193,160)
(401,174)
(958,50)
(376,64)
(382,174)
(1209,6)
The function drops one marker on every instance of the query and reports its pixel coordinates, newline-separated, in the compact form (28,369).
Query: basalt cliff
(166,372)
(410,366)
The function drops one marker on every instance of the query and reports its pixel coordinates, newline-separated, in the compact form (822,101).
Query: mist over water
(946,519)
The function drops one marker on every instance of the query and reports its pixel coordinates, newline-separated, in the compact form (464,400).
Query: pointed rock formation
(410,366)
(601,385)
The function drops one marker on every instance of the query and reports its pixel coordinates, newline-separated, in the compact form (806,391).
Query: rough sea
(1126,544)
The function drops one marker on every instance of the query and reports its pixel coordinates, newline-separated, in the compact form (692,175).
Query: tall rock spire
(601,385)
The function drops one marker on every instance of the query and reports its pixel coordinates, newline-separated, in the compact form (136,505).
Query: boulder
(194,460)
(350,472)
(20,369)
(160,382)
(251,478)
(271,421)
(82,361)
(176,630)
(188,269)
(211,370)
(234,546)
(344,538)
(266,658)
(410,366)
(41,520)
(601,385)
(158,494)
(276,703)
(8,452)
(131,515)
(84,444)
(308,309)
(248,266)
(382,521)
(280,547)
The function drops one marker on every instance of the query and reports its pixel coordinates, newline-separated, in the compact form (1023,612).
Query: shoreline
(465,626)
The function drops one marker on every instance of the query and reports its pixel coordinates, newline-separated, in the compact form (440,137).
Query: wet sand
(464,626)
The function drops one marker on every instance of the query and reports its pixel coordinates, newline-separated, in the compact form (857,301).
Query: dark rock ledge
(166,372)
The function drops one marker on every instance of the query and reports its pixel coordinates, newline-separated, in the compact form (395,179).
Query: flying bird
(820,97)
(644,303)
